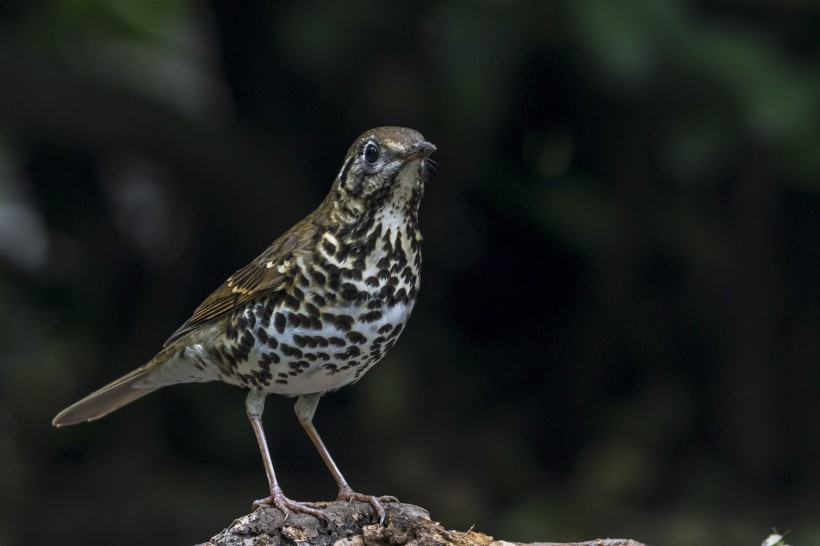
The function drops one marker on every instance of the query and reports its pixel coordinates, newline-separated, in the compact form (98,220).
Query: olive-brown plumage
(314,311)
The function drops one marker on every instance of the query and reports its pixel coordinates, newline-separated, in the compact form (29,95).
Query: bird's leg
(305,408)
(255,405)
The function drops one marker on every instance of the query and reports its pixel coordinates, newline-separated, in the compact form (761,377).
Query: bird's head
(385,166)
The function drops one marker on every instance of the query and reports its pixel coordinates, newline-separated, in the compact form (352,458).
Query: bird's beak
(420,150)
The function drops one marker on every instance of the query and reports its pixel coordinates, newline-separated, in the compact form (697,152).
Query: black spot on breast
(343,322)
(372,281)
(292,302)
(387,246)
(279,322)
(386,293)
(242,322)
(266,314)
(352,273)
(244,347)
(337,341)
(386,328)
(342,253)
(265,361)
(356,337)
(348,353)
(287,350)
(262,335)
(372,316)
(400,254)
(229,360)
(348,292)
(230,330)
(329,247)
(334,280)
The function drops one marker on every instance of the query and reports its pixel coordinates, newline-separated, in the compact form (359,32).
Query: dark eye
(371,153)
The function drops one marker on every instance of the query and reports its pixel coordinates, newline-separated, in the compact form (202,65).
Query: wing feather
(265,274)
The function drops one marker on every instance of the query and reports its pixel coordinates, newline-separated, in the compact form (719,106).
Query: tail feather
(105,400)
(180,363)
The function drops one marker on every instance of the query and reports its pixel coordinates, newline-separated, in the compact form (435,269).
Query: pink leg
(305,408)
(255,405)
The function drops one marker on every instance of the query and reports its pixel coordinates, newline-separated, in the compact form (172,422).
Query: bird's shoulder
(267,273)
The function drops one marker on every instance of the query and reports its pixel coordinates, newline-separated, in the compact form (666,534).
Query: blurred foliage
(619,329)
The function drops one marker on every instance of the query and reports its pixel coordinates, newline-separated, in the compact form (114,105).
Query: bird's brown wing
(260,277)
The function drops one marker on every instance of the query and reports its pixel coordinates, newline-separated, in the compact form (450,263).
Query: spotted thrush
(316,310)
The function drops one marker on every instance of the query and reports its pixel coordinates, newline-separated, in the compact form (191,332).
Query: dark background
(619,325)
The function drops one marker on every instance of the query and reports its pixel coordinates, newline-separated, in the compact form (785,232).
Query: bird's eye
(371,153)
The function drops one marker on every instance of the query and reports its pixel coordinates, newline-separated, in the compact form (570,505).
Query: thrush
(313,313)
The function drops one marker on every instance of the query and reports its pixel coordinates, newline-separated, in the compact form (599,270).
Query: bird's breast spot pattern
(303,360)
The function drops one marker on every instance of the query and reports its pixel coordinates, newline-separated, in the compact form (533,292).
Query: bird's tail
(105,400)
(123,391)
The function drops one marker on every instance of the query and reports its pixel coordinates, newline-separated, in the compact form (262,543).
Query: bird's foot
(349,495)
(286,505)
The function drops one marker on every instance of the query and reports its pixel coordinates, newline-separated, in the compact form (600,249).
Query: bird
(312,313)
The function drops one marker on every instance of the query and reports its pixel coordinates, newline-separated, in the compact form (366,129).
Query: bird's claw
(375,502)
(287,506)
